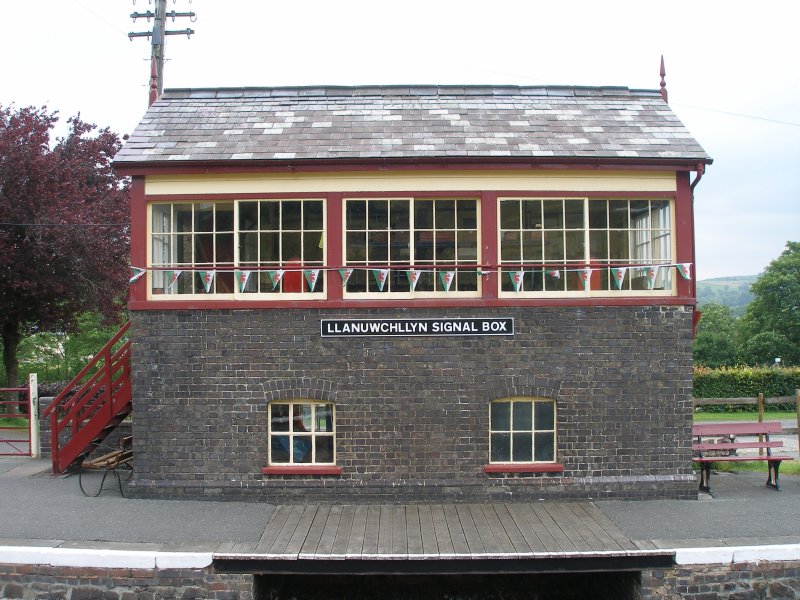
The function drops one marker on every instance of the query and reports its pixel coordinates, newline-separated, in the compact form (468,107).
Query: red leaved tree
(64,234)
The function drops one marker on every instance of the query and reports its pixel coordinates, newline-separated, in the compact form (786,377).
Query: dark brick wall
(412,413)
(739,581)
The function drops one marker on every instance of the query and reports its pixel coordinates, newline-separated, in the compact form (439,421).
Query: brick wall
(412,413)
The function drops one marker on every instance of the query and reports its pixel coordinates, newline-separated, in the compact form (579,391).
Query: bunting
(618,275)
(381,275)
(585,275)
(685,269)
(312,275)
(345,275)
(554,273)
(207,277)
(446,277)
(275,277)
(517,279)
(242,277)
(172,277)
(136,273)
(650,274)
(413,278)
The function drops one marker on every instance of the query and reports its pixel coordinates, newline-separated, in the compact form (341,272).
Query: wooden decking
(444,532)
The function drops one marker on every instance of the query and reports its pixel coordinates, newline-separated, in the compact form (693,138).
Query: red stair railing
(81,415)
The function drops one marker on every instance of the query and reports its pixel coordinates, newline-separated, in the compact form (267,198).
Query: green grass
(13,422)
(703,417)
(788,467)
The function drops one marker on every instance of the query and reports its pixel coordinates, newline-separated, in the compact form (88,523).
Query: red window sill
(524,468)
(302,470)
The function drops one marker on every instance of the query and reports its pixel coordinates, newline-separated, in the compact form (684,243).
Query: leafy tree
(776,306)
(764,347)
(714,343)
(63,249)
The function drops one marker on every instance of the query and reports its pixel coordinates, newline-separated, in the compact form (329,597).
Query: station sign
(456,326)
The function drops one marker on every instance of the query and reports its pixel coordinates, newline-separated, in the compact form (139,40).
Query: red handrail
(89,406)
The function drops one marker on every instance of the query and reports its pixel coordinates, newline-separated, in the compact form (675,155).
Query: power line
(733,114)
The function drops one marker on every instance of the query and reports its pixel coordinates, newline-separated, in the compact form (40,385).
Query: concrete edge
(103,558)
(736,554)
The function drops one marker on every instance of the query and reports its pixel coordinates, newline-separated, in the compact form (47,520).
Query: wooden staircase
(92,405)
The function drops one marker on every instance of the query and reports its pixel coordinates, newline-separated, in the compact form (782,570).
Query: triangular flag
(446,277)
(618,275)
(312,275)
(516,279)
(172,277)
(136,273)
(381,275)
(554,273)
(685,269)
(650,275)
(275,277)
(585,276)
(208,278)
(242,277)
(345,275)
(413,277)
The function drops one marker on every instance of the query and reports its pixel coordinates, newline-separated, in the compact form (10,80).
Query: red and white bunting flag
(517,278)
(381,275)
(275,277)
(554,273)
(447,277)
(685,269)
(208,278)
(172,277)
(618,275)
(312,275)
(136,273)
(413,277)
(242,277)
(650,274)
(585,275)
(345,275)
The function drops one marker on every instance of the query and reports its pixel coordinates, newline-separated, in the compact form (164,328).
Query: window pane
(303,417)
(423,246)
(378,214)
(553,245)
(270,248)
(544,447)
(445,247)
(400,249)
(183,217)
(270,216)
(618,214)
(501,447)
(290,215)
(445,214)
(509,247)
(531,246)
(324,418)
(522,416)
(553,214)
(224,248)
(522,447)
(423,214)
(544,415)
(224,217)
(204,248)
(204,217)
(280,449)
(399,214)
(618,245)
(279,420)
(598,214)
(323,449)
(378,247)
(509,214)
(640,214)
(356,214)
(301,449)
(575,248)
(312,247)
(598,245)
(466,211)
(500,416)
(162,221)
(356,247)
(467,246)
(312,214)
(248,216)
(532,214)
(290,251)
(573,212)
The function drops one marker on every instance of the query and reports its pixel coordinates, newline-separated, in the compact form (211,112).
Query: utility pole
(158,38)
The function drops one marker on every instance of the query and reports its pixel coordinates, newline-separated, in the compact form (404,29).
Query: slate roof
(409,122)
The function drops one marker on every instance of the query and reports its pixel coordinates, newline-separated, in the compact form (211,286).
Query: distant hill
(728,291)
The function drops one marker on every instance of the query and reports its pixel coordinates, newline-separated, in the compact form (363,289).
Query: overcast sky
(733,74)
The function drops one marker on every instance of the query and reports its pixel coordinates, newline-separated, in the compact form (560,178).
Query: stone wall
(412,413)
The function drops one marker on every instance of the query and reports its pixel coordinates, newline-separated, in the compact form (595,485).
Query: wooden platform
(445,536)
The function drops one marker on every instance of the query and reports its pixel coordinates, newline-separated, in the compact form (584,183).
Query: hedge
(746,382)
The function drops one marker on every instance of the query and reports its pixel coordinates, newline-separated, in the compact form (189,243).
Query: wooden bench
(112,462)
(730,432)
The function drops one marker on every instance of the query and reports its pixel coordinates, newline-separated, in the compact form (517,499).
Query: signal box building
(412,294)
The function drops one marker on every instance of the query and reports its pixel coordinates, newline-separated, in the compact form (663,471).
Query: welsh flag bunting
(554,273)
(685,269)
(345,275)
(381,275)
(172,277)
(242,277)
(585,276)
(208,278)
(413,278)
(516,279)
(136,273)
(446,278)
(312,275)
(650,275)
(275,277)
(618,275)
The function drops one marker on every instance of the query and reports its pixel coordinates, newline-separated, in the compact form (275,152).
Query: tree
(64,238)
(714,343)
(776,307)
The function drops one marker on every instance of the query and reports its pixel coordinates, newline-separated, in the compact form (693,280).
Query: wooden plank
(736,445)
(370,546)
(531,528)
(309,547)
(474,541)
(496,528)
(460,545)
(609,527)
(413,531)
(357,530)
(572,530)
(343,533)
(708,429)
(399,530)
(443,540)
(385,531)
(507,522)
(298,538)
(430,546)
(586,518)
(561,539)
(274,527)
(329,531)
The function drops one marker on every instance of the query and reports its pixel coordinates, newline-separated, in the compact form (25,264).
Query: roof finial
(153,81)
(663,82)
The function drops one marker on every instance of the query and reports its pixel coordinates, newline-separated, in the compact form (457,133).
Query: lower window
(301,433)
(522,430)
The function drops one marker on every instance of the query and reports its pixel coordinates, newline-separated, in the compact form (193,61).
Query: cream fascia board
(428,181)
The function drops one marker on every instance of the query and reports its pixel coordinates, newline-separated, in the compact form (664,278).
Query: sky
(733,74)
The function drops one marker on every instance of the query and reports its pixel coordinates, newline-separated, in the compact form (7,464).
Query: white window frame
(292,434)
(533,431)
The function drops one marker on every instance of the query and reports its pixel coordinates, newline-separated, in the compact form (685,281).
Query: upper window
(301,433)
(411,245)
(522,430)
(580,245)
(238,248)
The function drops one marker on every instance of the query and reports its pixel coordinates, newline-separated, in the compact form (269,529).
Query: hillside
(729,291)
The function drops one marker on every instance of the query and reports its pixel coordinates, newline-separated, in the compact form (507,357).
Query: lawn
(13,422)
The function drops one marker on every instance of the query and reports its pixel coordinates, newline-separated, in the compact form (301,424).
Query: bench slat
(708,429)
(772,458)
(736,445)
